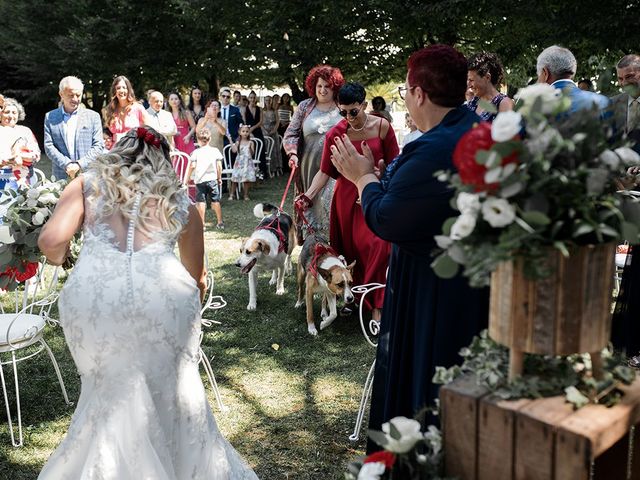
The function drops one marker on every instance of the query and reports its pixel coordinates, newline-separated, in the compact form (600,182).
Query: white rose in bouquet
(628,156)
(498,212)
(371,471)
(48,198)
(506,126)
(38,218)
(463,226)
(610,159)
(551,98)
(5,235)
(410,434)
(33,193)
(468,202)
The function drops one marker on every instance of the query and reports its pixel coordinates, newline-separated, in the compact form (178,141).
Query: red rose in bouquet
(382,456)
(30,269)
(464,157)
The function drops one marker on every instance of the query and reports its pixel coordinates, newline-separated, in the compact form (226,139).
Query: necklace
(366,117)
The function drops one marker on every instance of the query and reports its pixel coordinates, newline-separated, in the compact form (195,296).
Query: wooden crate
(486,438)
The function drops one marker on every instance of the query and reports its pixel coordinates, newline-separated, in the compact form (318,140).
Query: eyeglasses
(353,113)
(402,91)
(225,96)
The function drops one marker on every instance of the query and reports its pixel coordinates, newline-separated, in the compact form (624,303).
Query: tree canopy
(167,44)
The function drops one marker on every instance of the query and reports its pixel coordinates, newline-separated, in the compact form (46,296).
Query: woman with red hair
(304,141)
(426,319)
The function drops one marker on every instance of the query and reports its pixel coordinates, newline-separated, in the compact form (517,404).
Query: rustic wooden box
(486,438)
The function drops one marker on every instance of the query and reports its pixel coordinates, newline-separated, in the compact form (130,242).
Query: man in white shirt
(72,133)
(160,119)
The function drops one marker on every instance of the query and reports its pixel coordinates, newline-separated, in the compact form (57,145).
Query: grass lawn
(293,398)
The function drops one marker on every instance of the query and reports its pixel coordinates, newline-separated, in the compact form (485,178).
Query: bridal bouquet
(401,438)
(25,211)
(537,178)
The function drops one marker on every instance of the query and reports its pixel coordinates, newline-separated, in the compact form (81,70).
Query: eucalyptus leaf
(444,266)
(379,437)
(534,217)
(630,231)
(576,397)
(487,106)
(394,432)
(482,156)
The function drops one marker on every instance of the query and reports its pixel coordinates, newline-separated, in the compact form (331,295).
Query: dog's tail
(261,210)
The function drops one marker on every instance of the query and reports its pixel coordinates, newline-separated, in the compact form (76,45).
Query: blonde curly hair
(134,166)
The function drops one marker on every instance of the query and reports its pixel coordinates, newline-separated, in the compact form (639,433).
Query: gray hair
(70,82)
(631,60)
(12,101)
(558,60)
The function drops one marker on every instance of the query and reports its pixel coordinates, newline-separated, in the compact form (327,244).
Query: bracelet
(291,154)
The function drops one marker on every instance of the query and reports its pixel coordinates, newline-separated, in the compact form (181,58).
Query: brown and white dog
(321,270)
(268,247)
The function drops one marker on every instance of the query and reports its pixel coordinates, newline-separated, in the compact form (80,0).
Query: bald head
(156,100)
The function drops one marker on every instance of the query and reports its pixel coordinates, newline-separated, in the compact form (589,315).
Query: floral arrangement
(545,376)
(537,178)
(25,212)
(407,453)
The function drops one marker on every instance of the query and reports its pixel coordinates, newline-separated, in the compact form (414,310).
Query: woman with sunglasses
(305,137)
(349,234)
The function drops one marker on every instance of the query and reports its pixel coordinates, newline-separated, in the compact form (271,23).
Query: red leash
(286,190)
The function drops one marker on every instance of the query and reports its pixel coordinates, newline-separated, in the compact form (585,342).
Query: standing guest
(626,106)
(484,77)
(184,122)
(107,139)
(285,112)
(214,123)
(237,96)
(206,169)
(413,133)
(348,232)
(304,141)
(426,319)
(196,105)
(244,172)
(160,119)
(586,85)
(557,66)
(18,146)
(379,109)
(123,112)
(242,105)
(253,117)
(230,114)
(270,123)
(73,135)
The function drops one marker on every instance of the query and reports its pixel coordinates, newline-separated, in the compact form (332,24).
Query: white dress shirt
(69,127)
(163,122)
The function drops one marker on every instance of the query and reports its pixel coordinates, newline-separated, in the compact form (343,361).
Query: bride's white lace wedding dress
(130,314)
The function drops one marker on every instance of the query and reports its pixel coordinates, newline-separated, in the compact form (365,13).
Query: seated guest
(160,119)
(19,148)
(73,135)
(557,66)
(484,77)
(413,131)
(426,319)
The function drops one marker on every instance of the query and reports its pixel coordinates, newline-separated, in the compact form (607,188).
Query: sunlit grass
(292,398)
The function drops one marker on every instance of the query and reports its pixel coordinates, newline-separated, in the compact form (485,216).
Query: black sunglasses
(225,96)
(353,113)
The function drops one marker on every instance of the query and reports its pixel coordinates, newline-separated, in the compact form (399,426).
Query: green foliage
(544,376)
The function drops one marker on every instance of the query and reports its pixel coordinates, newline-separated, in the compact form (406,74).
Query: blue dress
(426,320)
(486,116)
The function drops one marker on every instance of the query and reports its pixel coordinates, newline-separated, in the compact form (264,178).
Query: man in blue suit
(557,66)
(72,133)
(230,114)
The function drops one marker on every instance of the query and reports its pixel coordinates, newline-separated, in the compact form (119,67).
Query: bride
(130,314)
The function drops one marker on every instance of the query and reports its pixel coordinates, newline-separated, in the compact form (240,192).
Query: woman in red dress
(185,123)
(348,231)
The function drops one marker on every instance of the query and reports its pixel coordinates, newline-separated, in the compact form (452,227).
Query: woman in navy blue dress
(426,320)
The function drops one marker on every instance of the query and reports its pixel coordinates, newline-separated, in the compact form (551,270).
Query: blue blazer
(581,99)
(88,140)
(234,121)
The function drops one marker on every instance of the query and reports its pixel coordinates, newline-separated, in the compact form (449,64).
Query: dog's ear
(326,274)
(351,265)
(264,247)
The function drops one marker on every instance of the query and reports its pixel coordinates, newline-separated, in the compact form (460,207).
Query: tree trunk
(212,81)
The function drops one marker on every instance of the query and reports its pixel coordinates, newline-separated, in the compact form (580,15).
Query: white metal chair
(257,151)
(370,329)
(269,146)
(227,169)
(181,161)
(39,175)
(212,302)
(22,325)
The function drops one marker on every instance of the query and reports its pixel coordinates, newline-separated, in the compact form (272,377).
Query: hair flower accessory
(148,137)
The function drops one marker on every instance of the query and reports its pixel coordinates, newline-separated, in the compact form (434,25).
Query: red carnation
(464,157)
(141,132)
(30,269)
(382,456)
